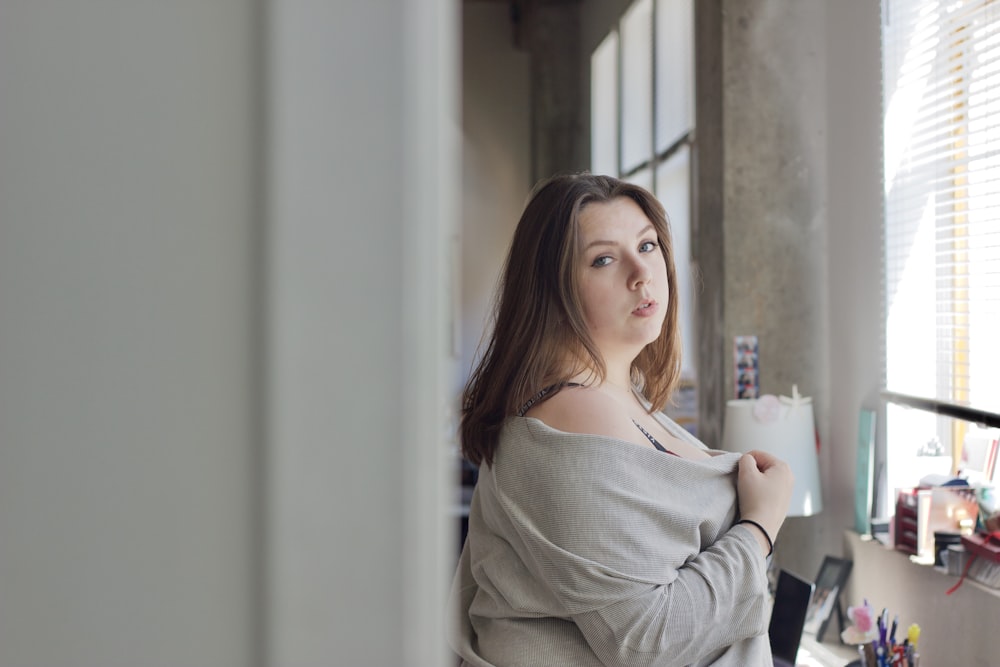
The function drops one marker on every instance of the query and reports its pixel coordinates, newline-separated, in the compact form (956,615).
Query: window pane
(604,107)
(673,179)
(917,447)
(643,178)
(942,193)
(674,71)
(981,235)
(637,85)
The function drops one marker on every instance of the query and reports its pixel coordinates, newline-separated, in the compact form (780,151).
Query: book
(864,481)
(979,454)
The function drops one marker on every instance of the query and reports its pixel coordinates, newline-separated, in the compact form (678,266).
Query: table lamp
(782,426)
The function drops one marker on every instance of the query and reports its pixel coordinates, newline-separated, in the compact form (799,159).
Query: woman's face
(622,277)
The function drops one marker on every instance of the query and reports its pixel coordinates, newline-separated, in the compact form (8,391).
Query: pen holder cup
(954,559)
(868,658)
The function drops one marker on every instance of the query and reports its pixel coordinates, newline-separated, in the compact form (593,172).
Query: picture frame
(746,369)
(830,582)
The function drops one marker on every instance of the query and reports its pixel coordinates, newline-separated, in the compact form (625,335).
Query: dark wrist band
(770,542)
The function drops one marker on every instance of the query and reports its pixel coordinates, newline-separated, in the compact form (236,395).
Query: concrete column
(707,219)
(775,239)
(557,103)
(761,239)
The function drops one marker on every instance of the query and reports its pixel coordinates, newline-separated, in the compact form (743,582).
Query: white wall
(126,357)
(224,303)
(362,169)
(854,237)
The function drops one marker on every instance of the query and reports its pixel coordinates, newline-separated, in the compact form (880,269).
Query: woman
(601,533)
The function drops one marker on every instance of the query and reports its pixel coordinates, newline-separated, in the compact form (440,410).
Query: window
(941,97)
(642,117)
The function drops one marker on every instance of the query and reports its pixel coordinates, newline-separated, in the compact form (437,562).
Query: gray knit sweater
(586,550)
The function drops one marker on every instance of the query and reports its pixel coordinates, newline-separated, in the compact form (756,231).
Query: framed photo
(746,354)
(826,600)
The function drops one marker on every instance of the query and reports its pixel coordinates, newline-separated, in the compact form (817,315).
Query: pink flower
(863,628)
(863,617)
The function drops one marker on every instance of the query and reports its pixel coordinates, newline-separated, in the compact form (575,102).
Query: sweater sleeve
(717,600)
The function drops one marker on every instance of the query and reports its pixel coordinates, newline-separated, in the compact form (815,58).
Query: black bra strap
(649,436)
(543,394)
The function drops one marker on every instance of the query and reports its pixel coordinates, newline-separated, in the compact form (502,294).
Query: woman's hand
(764,487)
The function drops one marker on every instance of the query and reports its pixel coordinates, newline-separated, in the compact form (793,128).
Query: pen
(892,633)
(870,655)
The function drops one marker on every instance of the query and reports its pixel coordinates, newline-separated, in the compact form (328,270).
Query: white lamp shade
(783,427)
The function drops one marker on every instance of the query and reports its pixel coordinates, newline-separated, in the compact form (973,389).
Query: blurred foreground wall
(224,312)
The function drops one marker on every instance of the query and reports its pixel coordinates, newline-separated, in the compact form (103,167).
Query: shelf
(905,560)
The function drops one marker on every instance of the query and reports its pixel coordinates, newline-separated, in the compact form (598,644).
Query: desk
(827,654)
(955,629)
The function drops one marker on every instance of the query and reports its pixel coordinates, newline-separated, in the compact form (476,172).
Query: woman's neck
(614,383)
(619,383)
(617,376)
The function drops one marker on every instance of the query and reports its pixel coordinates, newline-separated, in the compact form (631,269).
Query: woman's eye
(648,246)
(603,260)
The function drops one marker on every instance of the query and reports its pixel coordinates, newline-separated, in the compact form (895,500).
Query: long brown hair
(538,323)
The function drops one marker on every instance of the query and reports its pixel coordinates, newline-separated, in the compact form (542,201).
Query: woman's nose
(640,274)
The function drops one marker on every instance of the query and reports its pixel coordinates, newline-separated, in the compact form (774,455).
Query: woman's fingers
(764,485)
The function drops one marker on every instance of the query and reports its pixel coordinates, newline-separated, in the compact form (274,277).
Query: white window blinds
(941,85)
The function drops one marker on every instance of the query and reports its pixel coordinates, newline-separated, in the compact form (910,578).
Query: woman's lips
(647,308)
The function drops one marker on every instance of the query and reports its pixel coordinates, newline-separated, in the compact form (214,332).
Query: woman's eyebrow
(645,230)
(598,242)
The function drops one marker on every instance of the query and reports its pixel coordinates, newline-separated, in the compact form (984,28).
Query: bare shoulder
(585,410)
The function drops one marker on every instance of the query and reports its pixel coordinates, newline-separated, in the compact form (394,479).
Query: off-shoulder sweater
(588,550)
